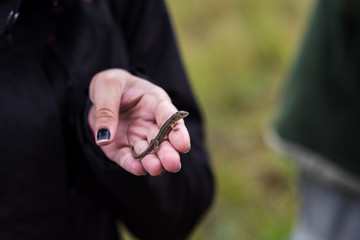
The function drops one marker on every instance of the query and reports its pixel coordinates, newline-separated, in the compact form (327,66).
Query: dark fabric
(55,183)
(8,15)
(321,105)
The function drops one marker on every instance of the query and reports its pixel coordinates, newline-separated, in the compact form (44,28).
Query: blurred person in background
(68,97)
(318,124)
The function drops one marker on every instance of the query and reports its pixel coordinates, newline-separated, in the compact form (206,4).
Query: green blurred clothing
(320,111)
(318,123)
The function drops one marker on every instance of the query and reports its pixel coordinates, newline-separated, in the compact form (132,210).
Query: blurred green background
(237,54)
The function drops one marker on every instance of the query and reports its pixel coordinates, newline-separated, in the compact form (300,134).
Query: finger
(169,157)
(124,159)
(163,111)
(140,146)
(180,138)
(152,164)
(166,157)
(105,94)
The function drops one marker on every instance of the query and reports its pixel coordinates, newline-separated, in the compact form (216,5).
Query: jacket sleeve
(167,206)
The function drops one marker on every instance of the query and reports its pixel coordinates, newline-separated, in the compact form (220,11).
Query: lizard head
(182,114)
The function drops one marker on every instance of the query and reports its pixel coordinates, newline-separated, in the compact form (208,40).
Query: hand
(120,99)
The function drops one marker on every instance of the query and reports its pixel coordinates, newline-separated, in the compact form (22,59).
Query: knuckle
(157,92)
(161,93)
(105,114)
(109,78)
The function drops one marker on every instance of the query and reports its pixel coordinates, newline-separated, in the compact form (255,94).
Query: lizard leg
(156,145)
(173,126)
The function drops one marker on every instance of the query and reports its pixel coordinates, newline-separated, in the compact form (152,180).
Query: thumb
(105,95)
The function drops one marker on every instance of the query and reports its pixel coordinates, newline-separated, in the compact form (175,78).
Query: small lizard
(164,131)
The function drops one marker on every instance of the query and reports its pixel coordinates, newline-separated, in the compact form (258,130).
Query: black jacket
(55,183)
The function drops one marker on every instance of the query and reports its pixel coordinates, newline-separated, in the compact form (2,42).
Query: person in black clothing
(76,73)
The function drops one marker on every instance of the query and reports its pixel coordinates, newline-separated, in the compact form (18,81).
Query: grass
(237,54)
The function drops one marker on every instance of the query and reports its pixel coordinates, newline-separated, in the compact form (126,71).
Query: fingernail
(162,172)
(188,150)
(178,169)
(103,135)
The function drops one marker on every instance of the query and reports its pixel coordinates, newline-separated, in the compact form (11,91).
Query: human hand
(119,99)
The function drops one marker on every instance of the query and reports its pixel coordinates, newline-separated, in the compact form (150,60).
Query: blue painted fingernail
(103,135)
